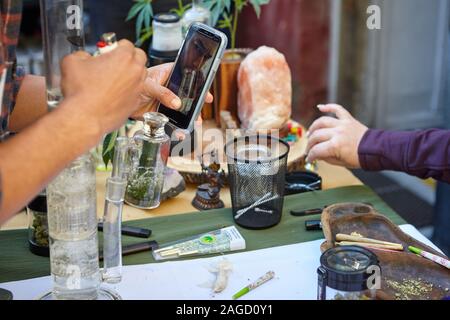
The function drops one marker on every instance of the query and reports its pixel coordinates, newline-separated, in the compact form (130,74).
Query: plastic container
(302,181)
(167,38)
(346,274)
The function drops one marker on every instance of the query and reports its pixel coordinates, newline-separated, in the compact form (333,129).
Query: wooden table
(332,176)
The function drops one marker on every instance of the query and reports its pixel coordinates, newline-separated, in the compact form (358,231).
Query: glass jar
(348,273)
(167,38)
(197,13)
(38,225)
(151,147)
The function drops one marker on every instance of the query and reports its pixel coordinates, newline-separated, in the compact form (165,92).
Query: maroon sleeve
(423,154)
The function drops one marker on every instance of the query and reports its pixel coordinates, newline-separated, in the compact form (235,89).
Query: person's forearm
(420,153)
(31,159)
(31,103)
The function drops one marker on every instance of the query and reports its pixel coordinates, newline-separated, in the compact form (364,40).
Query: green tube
(241,293)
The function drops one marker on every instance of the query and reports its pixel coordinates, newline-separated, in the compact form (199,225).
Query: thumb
(162,94)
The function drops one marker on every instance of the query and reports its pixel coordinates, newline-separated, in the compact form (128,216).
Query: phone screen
(190,73)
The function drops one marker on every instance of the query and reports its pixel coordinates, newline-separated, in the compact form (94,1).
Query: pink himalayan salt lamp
(265,90)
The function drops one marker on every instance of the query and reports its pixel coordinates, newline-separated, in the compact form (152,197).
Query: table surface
(18,263)
(332,176)
(295,268)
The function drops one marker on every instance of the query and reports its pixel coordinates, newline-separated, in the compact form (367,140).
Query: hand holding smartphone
(193,73)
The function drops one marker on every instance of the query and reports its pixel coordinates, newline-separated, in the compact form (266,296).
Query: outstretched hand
(335,140)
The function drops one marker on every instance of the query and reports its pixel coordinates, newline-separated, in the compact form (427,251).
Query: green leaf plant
(225,15)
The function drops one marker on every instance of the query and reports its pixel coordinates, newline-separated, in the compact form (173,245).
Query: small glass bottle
(198,13)
(151,151)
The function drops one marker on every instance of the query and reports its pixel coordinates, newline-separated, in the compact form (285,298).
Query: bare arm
(31,103)
(100,94)
(32,158)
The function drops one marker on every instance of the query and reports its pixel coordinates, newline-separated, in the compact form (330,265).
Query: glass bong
(71,197)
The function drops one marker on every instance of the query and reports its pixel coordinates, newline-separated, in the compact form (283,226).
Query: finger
(180,135)
(162,94)
(125,44)
(82,55)
(199,121)
(166,67)
(323,122)
(209,98)
(160,72)
(125,50)
(321,151)
(140,57)
(319,136)
(164,73)
(338,110)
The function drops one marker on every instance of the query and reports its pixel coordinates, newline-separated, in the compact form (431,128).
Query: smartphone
(195,67)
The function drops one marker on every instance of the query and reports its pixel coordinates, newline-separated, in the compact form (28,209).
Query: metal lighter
(107,43)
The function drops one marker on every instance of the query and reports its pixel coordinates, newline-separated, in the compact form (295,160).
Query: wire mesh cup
(256,171)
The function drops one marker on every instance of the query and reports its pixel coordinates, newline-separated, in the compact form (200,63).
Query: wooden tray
(396,268)
(189,166)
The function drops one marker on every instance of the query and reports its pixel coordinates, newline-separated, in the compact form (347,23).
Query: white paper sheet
(294,265)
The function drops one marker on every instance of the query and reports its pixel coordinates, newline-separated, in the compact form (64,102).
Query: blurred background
(393,78)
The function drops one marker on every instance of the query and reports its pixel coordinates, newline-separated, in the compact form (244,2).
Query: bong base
(103,294)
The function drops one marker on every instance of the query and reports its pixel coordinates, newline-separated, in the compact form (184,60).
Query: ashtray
(302,181)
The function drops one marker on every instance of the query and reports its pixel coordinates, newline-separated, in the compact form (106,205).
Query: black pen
(136,248)
(131,231)
(307,212)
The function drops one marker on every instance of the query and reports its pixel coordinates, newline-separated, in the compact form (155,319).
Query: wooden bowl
(396,267)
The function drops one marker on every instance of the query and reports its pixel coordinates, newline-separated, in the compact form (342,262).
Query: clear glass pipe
(72,222)
(71,197)
(112,219)
(62,33)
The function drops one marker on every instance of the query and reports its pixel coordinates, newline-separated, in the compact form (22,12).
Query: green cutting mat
(18,263)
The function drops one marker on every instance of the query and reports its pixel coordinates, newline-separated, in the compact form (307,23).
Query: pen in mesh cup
(259,202)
